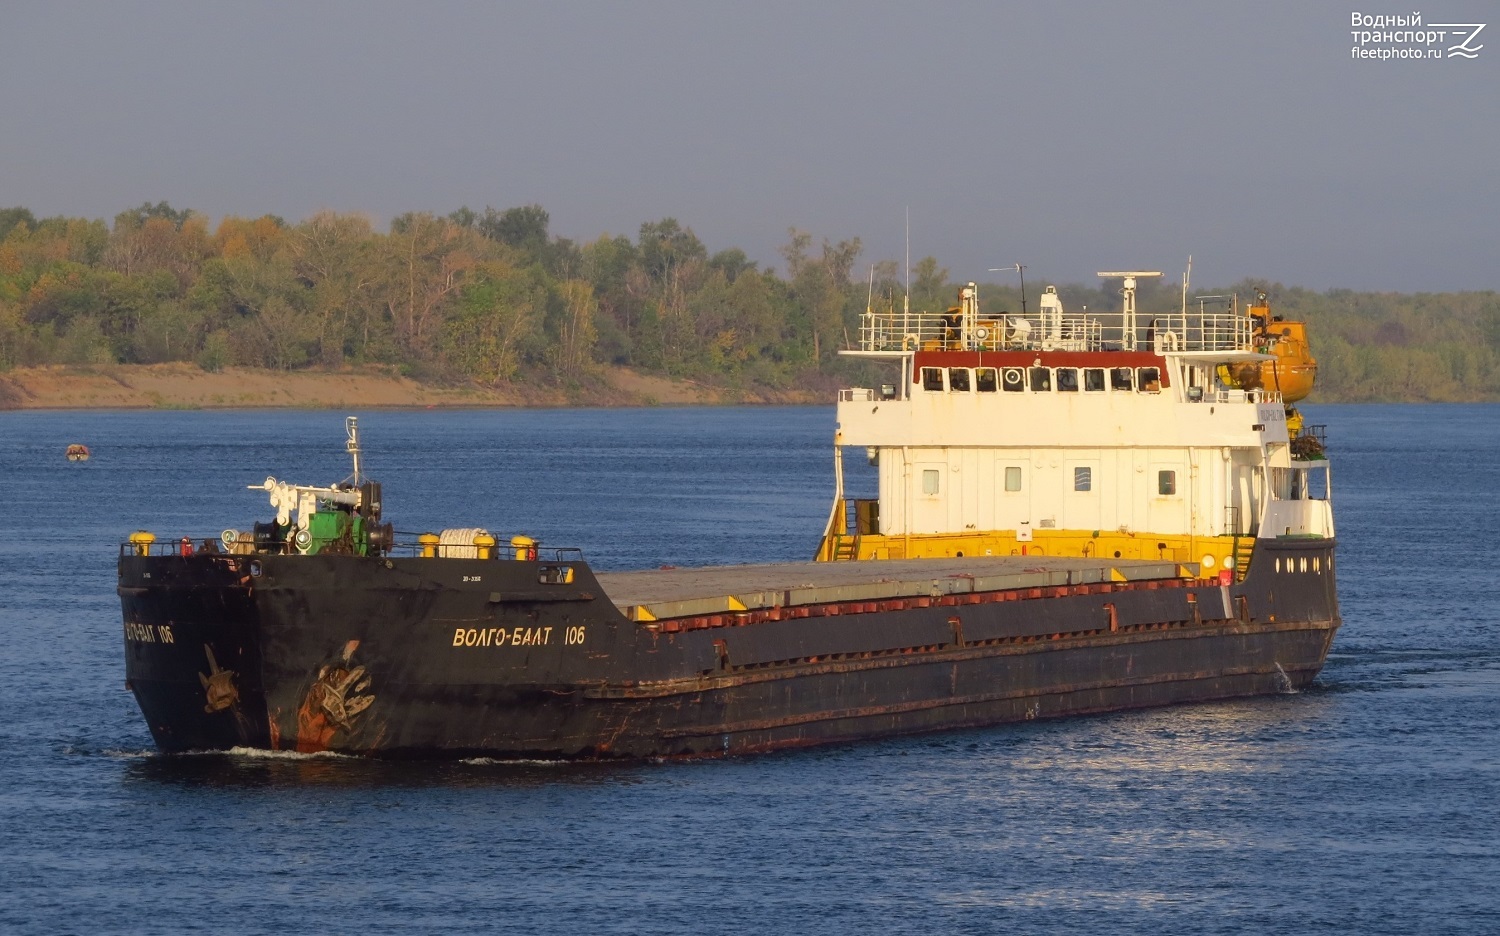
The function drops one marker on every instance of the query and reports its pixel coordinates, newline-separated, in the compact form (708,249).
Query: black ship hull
(521,659)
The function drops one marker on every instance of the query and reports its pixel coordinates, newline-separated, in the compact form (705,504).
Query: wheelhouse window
(1012,478)
(1093,379)
(1067,380)
(1121,378)
(1013,380)
(1149,379)
(1041,380)
(985,380)
(958,379)
(1166,483)
(1083,478)
(932,379)
(930,481)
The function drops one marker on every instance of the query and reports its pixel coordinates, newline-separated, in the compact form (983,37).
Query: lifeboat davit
(1292,369)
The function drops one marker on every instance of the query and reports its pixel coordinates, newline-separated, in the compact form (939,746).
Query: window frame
(936,477)
(1083,475)
(1014,471)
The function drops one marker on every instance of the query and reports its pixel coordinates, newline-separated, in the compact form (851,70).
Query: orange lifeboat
(78,452)
(1292,370)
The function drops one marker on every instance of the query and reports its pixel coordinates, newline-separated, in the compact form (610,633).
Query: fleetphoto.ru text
(1403,36)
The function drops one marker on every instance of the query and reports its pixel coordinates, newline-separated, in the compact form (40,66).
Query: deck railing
(1205,331)
(1222,394)
(928,331)
(402,548)
(1311,443)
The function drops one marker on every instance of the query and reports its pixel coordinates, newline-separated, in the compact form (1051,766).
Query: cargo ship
(1074,515)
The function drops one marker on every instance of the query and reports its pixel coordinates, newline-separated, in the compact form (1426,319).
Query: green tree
(425,262)
(498,311)
(929,291)
(137,217)
(10,218)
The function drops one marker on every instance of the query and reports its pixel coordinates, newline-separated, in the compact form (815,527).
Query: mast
(906,301)
(1186,277)
(1127,311)
(351,426)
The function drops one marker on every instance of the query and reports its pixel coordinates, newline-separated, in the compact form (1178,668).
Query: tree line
(493,297)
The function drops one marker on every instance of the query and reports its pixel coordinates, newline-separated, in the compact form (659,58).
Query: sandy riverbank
(186,386)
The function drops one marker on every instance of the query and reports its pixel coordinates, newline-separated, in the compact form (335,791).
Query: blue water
(1367,804)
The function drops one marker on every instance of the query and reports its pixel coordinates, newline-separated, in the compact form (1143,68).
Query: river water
(1369,803)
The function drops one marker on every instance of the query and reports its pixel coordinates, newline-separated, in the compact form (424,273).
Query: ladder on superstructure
(846,544)
(1244,548)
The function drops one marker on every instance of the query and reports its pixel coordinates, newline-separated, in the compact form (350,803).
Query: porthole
(1208,561)
(1304,564)
(1317,565)
(1278,564)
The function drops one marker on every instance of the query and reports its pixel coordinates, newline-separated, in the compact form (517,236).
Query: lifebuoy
(1013,375)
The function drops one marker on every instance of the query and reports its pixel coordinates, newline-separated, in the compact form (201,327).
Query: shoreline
(185,386)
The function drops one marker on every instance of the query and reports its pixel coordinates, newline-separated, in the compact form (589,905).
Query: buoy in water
(78,452)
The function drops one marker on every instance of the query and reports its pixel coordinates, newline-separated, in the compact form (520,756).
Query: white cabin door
(1081,482)
(1247,511)
(1167,498)
(931,488)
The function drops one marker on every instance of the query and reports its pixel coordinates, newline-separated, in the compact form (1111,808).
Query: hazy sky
(1070,136)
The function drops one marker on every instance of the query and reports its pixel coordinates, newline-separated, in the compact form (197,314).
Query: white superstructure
(1062,435)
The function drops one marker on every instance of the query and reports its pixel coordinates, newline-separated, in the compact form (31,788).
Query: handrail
(931,331)
(212,546)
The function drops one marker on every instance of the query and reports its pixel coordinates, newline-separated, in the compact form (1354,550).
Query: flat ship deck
(685,592)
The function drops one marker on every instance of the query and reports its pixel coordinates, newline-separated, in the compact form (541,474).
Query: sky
(1071,137)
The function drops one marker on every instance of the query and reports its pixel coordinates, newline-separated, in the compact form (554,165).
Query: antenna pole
(906,303)
(1186,277)
(351,426)
(1127,311)
(1021,270)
